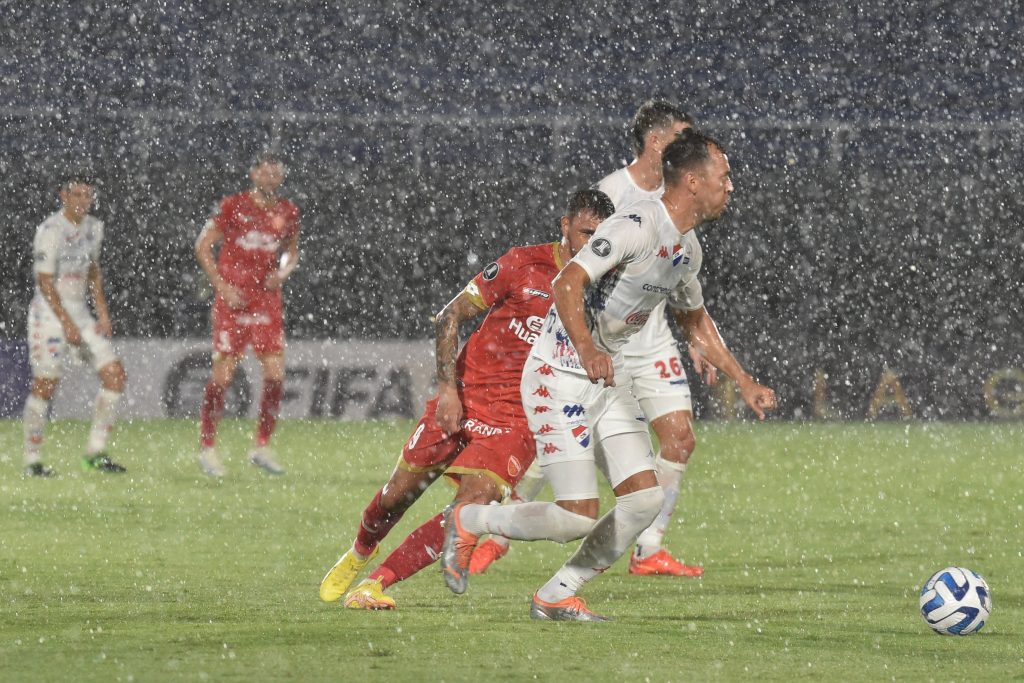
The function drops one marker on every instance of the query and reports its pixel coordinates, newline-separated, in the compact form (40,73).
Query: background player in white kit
(637,259)
(60,326)
(651,358)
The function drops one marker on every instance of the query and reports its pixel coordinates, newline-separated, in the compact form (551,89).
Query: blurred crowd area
(876,222)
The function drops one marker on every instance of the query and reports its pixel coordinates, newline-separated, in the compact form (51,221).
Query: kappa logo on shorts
(545,429)
(545,370)
(573,410)
(582,435)
(491,271)
(542,392)
(541,409)
(550,448)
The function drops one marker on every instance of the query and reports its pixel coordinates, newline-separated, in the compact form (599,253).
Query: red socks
(375,525)
(270,407)
(209,414)
(420,549)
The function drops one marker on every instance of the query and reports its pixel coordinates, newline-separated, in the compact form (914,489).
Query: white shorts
(571,418)
(659,382)
(48,351)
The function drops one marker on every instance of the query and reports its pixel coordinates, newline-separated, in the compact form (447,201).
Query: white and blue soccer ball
(956,602)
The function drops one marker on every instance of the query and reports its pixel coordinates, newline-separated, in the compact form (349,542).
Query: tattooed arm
(446,330)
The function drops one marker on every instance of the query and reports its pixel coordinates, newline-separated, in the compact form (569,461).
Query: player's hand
(705,370)
(274,281)
(759,397)
(103,326)
(599,367)
(449,410)
(71,333)
(232,295)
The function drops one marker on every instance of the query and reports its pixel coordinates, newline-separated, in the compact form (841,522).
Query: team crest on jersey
(490,271)
(601,247)
(582,435)
(680,254)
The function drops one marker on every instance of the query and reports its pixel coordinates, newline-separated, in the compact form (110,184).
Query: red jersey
(253,238)
(517,290)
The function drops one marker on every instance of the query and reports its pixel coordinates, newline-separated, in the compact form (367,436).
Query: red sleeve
(225,214)
(497,278)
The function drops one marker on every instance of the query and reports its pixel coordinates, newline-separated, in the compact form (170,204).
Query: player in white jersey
(651,358)
(636,259)
(61,326)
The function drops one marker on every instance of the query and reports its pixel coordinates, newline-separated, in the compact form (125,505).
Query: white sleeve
(44,251)
(620,239)
(689,294)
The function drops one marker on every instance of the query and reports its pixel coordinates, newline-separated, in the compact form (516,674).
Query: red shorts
(503,453)
(260,324)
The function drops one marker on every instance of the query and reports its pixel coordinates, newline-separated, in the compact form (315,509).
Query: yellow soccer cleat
(369,594)
(342,574)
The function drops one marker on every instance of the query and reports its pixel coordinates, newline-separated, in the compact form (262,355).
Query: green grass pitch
(816,539)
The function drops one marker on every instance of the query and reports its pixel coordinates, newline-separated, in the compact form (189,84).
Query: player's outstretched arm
(446,342)
(568,290)
(99,300)
(701,332)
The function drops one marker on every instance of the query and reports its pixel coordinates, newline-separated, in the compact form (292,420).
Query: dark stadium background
(876,223)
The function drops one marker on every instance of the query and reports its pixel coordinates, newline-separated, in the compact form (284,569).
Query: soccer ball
(956,602)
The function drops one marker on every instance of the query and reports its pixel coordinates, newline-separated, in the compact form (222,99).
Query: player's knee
(643,505)
(113,377)
(570,525)
(679,446)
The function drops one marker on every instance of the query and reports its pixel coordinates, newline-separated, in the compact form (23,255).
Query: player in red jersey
(259,237)
(474,430)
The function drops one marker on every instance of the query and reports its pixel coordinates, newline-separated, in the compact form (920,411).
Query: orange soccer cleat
(663,564)
(485,555)
(571,609)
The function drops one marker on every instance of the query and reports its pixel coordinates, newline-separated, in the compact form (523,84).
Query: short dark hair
(594,201)
(267,157)
(655,114)
(78,177)
(688,151)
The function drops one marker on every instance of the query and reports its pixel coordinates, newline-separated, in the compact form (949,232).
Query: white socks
(34,417)
(526,521)
(526,491)
(607,541)
(104,416)
(670,476)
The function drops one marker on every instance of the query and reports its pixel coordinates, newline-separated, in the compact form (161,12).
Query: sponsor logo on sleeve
(601,247)
(536,292)
(490,271)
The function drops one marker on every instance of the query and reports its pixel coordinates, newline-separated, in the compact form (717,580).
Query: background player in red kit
(475,428)
(259,236)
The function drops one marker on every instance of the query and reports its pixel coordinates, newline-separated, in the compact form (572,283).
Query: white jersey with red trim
(655,335)
(66,251)
(635,260)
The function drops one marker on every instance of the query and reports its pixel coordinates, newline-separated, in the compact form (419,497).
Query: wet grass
(815,538)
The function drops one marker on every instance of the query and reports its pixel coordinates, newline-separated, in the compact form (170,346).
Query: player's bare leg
(112,380)
(675,434)
(420,549)
(384,511)
(221,375)
(35,414)
(270,407)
